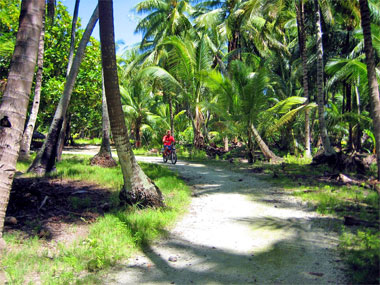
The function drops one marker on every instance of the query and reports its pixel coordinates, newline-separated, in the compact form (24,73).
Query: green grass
(114,237)
(95,141)
(360,245)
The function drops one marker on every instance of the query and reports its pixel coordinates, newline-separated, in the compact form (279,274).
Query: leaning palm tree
(17,93)
(372,80)
(46,157)
(138,188)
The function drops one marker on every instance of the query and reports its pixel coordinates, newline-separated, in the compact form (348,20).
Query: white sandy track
(238,230)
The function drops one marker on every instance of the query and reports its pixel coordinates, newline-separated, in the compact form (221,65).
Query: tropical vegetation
(266,79)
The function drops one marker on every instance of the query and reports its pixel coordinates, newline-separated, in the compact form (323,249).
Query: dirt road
(238,230)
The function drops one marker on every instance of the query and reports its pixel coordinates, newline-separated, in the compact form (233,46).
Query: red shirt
(168,140)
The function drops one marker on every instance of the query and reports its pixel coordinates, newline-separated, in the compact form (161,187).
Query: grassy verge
(113,237)
(359,244)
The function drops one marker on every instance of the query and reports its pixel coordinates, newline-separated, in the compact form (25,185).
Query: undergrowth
(113,237)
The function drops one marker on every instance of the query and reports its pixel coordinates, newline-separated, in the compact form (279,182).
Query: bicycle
(170,154)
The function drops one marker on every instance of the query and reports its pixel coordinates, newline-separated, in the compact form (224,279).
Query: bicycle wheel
(164,158)
(173,158)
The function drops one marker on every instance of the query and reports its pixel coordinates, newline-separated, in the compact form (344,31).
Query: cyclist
(168,139)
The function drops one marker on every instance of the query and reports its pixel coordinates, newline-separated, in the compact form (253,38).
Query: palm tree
(62,134)
(244,94)
(45,159)
(138,188)
(372,80)
(29,129)
(302,45)
(189,59)
(104,156)
(320,88)
(165,18)
(17,93)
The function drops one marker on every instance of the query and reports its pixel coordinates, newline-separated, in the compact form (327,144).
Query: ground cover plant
(80,229)
(357,206)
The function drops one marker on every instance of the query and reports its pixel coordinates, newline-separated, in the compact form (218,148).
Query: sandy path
(238,230)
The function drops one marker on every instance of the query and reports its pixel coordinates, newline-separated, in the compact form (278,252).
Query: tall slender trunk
(262,145)
(138,188)
(72,39)
(372,80)
(197,122)
(302,44)
(15,99)
(28,132)
(106,144)
(348,92)
(358,145)
(45,159)
(62,136)
(66,121)
(171,114)
(320,88)
(104,156)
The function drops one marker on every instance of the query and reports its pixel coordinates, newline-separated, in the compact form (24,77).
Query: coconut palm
(320,87)
(20,79)
(372,80)
(165,18)
(29,129)
(46,157)
(138,188)
(188,60)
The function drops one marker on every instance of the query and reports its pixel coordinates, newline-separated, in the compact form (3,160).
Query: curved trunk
(72,40)
(371,73)
(66,121)
(263,146)
(138,188)
(45,159)
(320,98)
(15,99)
(28,132)
(302,45)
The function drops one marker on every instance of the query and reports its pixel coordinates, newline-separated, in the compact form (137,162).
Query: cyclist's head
(168,133)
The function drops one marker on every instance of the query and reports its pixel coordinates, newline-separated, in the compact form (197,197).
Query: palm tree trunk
(225,140)
(197,128)
(45,159)
(372,80)
(104,156)
(328,150)
(28,132)
(72,40)
(302,44)
(138,188)
(66,121)
(262,145)
(171,113)
(15,99)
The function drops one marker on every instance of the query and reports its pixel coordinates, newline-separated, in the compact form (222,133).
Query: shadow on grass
(42,205)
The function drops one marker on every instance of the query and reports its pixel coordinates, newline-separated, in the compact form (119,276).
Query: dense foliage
(85,108)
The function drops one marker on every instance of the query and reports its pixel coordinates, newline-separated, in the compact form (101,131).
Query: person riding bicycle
(168,140)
